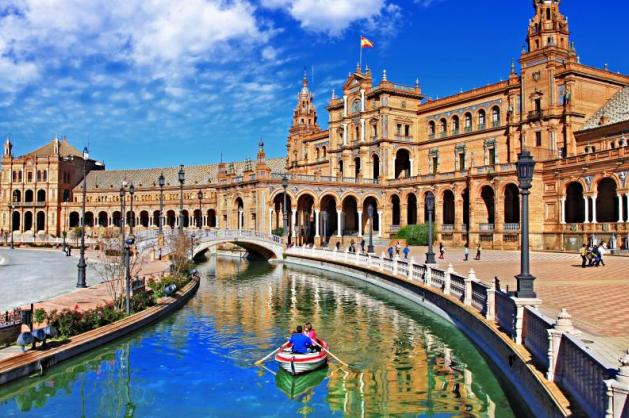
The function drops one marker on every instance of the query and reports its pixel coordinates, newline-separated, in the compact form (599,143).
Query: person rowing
(300,342)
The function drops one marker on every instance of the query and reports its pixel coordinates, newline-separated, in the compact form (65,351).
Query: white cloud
(328,16)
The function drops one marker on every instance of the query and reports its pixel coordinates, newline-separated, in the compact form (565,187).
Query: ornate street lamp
(132,219)
(128,244)
(370,248)
(81,266)
(525,166)
(161,181)
(182,179)
(430,205)
(285,186)
(12,206)
(123,216)
(325,227)
(200,218)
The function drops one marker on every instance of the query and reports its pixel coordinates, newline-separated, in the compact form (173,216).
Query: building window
(443,127)
(45,175)
(455,125)
(431,129)
(481,119)
(538,139)
(468,122)
(492,156)
(435,163)
(538,104)
(407,130)
(398,130)
(462,161)
(495,116)
(29,176)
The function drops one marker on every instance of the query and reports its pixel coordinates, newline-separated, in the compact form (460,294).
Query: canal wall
(36,361)
(459,301)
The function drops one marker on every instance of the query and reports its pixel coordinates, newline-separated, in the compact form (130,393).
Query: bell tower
(548,29)
(304,123)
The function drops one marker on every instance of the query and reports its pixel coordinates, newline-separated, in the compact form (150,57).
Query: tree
(180,256)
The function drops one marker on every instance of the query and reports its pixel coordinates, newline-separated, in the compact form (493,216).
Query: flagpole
(360,60)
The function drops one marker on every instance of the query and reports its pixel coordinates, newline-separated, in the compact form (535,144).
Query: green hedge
(415,234)
(278,231)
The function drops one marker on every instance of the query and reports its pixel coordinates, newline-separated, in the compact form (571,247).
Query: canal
(404,360)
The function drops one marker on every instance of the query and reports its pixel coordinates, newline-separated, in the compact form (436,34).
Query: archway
(117,219)
(575,205)
(607,201)
(305,219)
(130,219)
(28,220)
(102,219)
(211,218)
(15,221)
(74,219)
(186,218)
(170,218)
(411,209)
(197,218)
(41,221)
(512,204)
(375,161)
(395,210)
(350,216)
(402,164)
(41,195)
(376,222)
(466,208)
(17,196)
(89,219)
(278,211)
(448,207)
(487,194)
(328,206)
(239,213)
(156,215)
(144,219)
(28,197)
(357,167)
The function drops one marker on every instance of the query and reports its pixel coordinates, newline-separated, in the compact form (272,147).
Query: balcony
(488,228)
(431,136)
(536,114)
(443,134)
(511,228)
(403,138)
(464,228)
(481,126)
(447,228)
(455,131)
(495,124)
(468,129)
(29,204)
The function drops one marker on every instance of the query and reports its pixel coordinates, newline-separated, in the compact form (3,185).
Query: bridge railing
(597,386)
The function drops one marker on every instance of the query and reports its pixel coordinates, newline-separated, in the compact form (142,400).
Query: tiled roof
(615,110)
(147,177)
(48,150)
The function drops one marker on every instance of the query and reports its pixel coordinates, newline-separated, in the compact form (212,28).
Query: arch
(482,119)
(103,219)
(402,163)
(448,207)
(467,122)
(495,116)
(130,219)
(488,196)
(144,218)
(41,221)
(89,219)
(41,195)
(156,216)
(411,209)
(75,219)
(15,221)
(370,200)
(278,207)
(211,218)
(607,201)
(375,163)
(350,216)
(456,124)
(512,204)
(395,210)
(186,218)
(341,168)
(17,196)
(170,218)
(431,128)
(28,220)
(254,247)
(117,218)
(28,196)
(325,151)
(305,218)
(443,126)
(357,167)
(465,195)
(328,205)
(197,218)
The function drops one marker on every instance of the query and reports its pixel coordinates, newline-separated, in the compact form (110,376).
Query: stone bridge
(256,243)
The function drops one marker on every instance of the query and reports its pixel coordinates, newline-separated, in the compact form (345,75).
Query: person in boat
(299,341)
(310,332)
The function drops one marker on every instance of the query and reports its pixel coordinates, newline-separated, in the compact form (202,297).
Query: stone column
(360,224)
(317,211)
(587,215)
(270,220)
(620,217)
(562,211)
(344,135)
(362,130)
(339,232)
(293,219)
(379,223)
(594,209)
(344,108)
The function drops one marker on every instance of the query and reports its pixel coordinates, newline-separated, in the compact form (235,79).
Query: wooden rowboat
(301,363)
(295,386)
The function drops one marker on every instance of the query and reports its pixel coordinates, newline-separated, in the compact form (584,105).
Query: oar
(330,353)
(267,369)
(269,355)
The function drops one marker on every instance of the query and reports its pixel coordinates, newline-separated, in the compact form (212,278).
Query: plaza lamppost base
(525,286)
(81,268)
(430,258)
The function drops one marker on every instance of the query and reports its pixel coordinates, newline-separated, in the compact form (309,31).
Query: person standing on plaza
(477,252)
(601,253)
(583,251)
(442,250)
(390,251)
(466,252)
(397,248)
(406,250)
(362,245)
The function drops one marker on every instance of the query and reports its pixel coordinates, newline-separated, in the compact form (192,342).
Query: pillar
(379,223)
(362,130)
(270,220)
(293,221)
(360,224)
(344,111)
(594,209)
(587,216)
(620,217)
(344,136)
(317,211)
(562,211)
(339,231)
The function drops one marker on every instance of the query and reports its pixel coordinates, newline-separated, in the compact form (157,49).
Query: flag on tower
(365,43)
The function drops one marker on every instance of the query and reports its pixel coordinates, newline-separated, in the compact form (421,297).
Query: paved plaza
(596,297)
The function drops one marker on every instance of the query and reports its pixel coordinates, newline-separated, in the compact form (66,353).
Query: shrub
(141,301)
(39,316)
(278,231)
(415,234)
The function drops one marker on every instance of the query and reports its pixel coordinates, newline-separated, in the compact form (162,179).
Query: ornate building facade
(387,146)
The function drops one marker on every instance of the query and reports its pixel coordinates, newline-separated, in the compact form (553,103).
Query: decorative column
(362,130)
(620,217)
(362,100)
(587,213)
(594,209)
(345,134)
(339,232)
(293,222)
(562,211)
(380,223)
(317,223)
(360,224)
(344,107)
(270,220)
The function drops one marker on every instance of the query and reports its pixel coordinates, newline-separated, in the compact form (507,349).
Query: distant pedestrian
(466,252)
(406,250)
(338,246)
(442,250)
(390,251)
(477,252)
(362,246)
(583,251)
(397,248)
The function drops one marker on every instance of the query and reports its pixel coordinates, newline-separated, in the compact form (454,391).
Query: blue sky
(158,83)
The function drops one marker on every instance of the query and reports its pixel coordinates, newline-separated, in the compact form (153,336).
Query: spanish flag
(365,43)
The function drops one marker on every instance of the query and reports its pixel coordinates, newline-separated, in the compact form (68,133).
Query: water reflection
(199,362)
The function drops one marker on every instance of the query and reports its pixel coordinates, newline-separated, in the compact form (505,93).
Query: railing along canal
(599,388)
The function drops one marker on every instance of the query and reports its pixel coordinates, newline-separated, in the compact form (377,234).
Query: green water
(404,361)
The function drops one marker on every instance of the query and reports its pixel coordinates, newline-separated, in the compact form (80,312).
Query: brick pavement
(596,297)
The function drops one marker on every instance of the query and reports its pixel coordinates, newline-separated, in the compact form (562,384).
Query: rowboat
(295,386)
(301,363)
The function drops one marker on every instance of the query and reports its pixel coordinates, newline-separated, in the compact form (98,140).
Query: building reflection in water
(400,365)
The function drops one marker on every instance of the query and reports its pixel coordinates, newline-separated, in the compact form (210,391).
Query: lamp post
(325,228)
(182,179)
(285,225)
(370,214)
(81,266)
(200,219)
(161,181)
(123,216)
(132,219)
(430,205)
(525,166)
(12,206)
(128,244)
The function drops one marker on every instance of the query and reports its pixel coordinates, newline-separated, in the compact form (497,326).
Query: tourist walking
(390,251)
(406,250)
(466,252)
(397,248)
(442,250)
(362,245)
(477,252)
(583,251)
